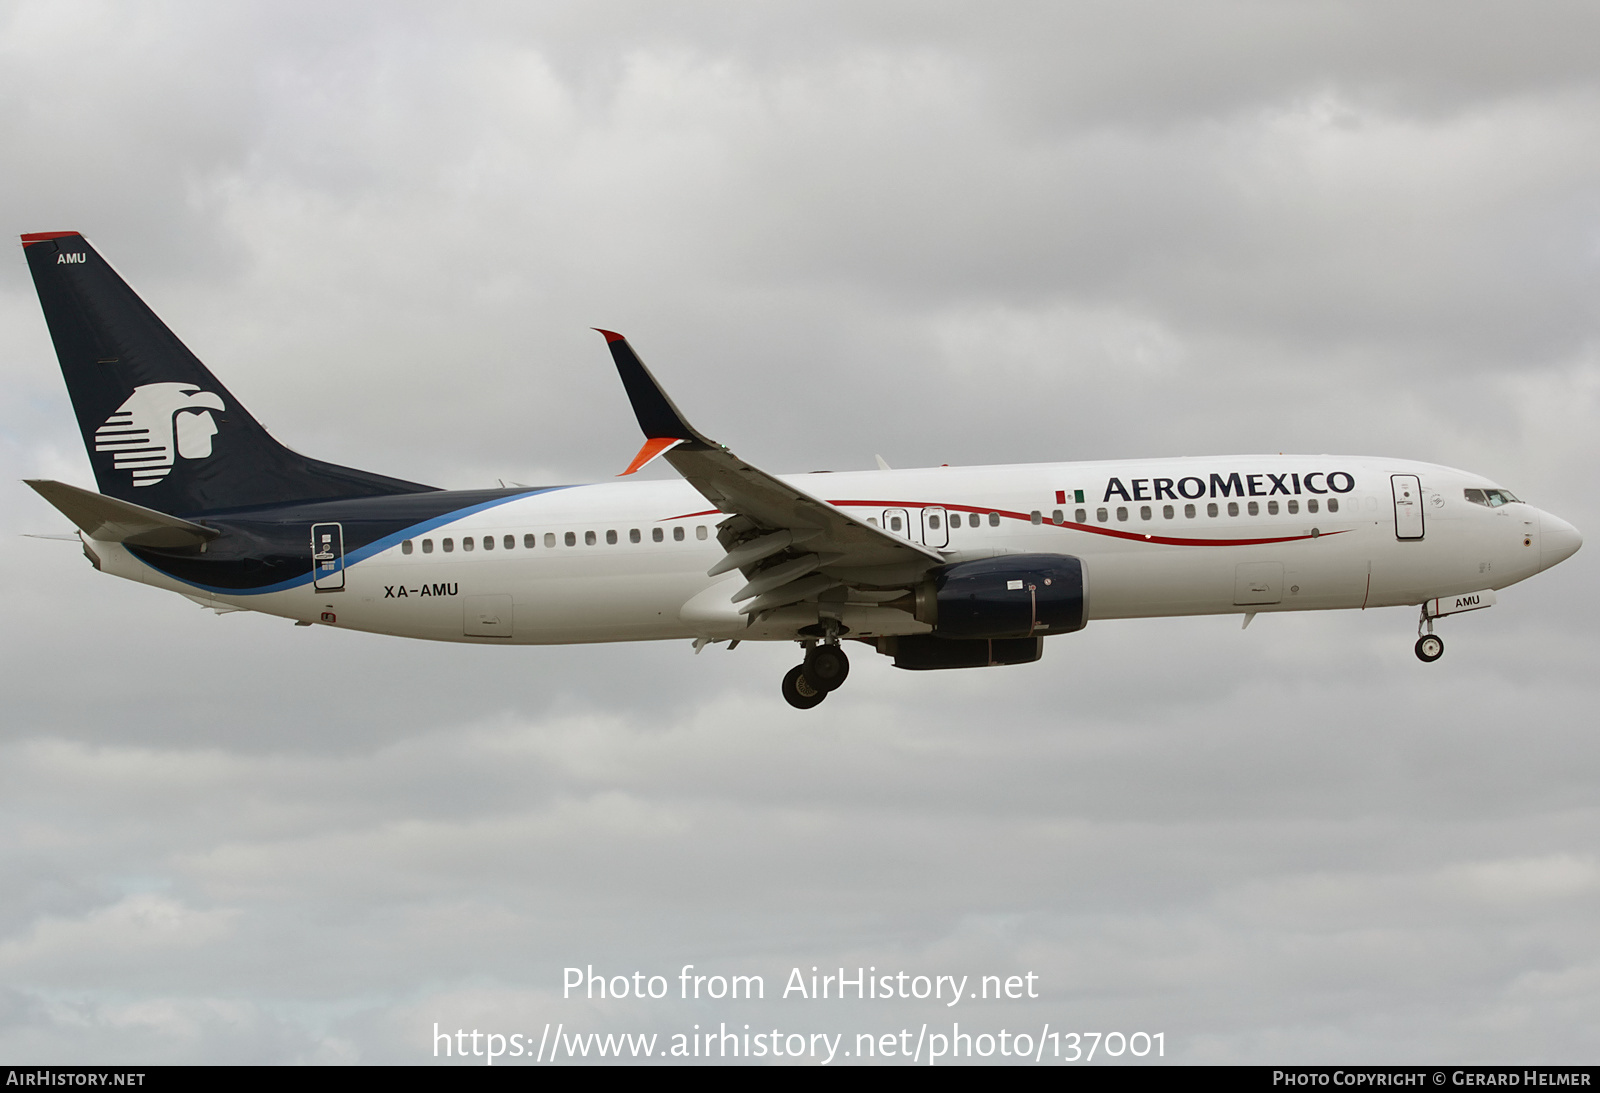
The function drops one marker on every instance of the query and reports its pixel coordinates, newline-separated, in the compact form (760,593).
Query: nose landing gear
(1430,646)
(825,669)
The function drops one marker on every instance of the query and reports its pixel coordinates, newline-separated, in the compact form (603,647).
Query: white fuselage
(635,569)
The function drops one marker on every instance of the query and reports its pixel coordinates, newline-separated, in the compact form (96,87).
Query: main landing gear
(824,670)
(1430,646)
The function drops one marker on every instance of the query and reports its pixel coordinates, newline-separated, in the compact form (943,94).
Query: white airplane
(938,568)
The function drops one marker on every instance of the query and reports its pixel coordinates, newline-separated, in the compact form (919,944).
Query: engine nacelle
(1010,596)
(925,653)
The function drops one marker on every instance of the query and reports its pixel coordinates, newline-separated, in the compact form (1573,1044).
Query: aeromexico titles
(944,567)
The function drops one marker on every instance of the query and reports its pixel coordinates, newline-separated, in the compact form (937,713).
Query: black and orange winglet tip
(658,417)
(655,446)
(30,238)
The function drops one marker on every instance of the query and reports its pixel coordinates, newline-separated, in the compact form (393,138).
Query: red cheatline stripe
(652,448)
(1135,536)
(40,237)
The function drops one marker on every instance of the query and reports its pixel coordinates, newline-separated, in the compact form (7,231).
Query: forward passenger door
(1407,506)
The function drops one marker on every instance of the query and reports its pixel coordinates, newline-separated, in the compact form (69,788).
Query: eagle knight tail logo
(157,423)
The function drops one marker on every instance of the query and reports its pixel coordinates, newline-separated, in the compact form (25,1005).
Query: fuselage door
(1407,506)
(935,527)
(327,557)
(896,522)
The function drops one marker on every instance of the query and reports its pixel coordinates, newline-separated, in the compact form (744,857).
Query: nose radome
(1558,540)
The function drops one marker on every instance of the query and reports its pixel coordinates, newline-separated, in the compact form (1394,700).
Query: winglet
(653,447)
(658,417)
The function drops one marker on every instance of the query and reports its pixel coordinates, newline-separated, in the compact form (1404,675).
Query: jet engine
(993,611)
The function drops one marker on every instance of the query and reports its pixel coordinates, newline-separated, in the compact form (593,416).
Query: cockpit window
(1490,498)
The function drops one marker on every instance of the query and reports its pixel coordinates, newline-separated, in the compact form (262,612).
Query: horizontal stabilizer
(109,520)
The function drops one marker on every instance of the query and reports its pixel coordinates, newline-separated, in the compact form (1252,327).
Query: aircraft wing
(790,544)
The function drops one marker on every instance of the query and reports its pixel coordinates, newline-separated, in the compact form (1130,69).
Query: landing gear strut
(825,669)
(1430,646)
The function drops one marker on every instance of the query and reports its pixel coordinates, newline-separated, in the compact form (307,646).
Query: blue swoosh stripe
(361,554)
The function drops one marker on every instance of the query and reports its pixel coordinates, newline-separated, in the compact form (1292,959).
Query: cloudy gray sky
(949,233)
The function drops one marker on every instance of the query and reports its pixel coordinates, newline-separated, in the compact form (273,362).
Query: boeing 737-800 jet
(938,568)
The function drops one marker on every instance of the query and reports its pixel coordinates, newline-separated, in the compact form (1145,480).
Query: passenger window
(1101,515)
(1144,512)
(1311,504)
(1166,512)
(448,545)
(872,521)
(1294,507)
(611,537)
(1233,508)
(1058,517)
(972,519)
(1036,516)
(1122,513)
(1333,504)
(589,538)
(510,542)
(467,543)
(550,539)
(405,547)
(633,535)
(570,538)
(488,542)
(1272,508)
(894,524)
(530,540)
(427,546)
(1080,516)
(700,531)
(677,535)
(933,524)
(994,519)
(1253,509)
(1188,512)
(1211,509)
(656,535)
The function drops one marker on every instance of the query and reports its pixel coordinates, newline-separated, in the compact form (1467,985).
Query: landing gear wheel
(826,667)
(798,691)
(1430,647)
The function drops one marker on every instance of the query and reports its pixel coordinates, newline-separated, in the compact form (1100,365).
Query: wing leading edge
(792,546)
